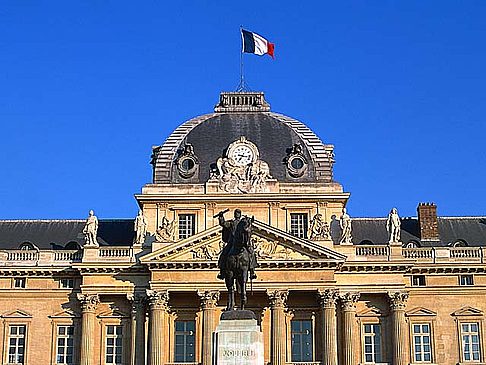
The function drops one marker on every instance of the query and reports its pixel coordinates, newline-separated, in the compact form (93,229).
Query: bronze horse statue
(237,260)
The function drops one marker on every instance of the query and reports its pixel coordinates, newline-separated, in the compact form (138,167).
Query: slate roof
(56,234)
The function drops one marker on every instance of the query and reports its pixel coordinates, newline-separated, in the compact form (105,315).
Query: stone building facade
(330,289)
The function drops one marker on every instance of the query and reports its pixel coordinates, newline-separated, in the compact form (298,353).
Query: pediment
(271,246)
(468,311)
(67,313)
(420,311)
(370,312)
(17,314)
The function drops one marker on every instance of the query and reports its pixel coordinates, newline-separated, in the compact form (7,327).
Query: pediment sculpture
(240,169)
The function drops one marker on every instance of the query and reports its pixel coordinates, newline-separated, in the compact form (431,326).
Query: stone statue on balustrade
(90,230)
(393,225)
(318,228)
(166,231)
(140,228)
(345,224)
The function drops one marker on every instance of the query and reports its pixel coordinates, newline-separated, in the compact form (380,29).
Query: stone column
(398,302)
(89,302)
(348,306)
(159,305)
(209,301)
(137,354)
(278,344)
(327,300)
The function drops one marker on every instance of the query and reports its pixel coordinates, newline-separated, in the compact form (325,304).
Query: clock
(242,152)
(242,155)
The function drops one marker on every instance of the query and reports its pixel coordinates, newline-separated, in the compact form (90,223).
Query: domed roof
(291,150)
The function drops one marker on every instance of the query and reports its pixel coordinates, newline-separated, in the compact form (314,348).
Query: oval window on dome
(296,165)
(186,166)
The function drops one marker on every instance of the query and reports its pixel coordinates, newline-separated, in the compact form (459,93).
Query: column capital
(348,300)
(89,302)
(209,298)
(274,204)
(210,205)
(398,300)
(158,299)
(137,300)
(327,297)
(278,297)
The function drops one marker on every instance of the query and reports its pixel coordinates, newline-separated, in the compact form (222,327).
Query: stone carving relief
(207,252)
(89,302)
(271,250)
(318,228)
(240,170)
(90,230)
(166,231)
(158,299)
(393,224)
(398,300)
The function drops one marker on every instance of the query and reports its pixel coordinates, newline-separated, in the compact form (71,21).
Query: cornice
(264,198)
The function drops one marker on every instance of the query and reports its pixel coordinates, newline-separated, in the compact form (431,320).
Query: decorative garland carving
(89,302)
(158,299)
(348,301)
(398,300)
(209,298)
(277,298)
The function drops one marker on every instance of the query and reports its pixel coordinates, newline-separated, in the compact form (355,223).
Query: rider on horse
(236,231)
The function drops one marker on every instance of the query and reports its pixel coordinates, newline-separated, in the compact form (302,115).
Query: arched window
(72,245)
(412,244)
(460,243)
(28,246)
(366,242)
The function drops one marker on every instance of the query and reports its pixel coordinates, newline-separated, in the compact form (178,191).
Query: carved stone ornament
(398,300)
(187,163)
(207,252)
(158,299)
(89,302)
(349,300)
(327,297)
(318,228)
(209,298)
(166,231)
(90,230)
(278,298)
(140,228)
(296,161)
(393,224)
(271,250)
(240,170)
(137,301)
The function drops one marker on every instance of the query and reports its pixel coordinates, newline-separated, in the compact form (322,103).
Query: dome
(292,152)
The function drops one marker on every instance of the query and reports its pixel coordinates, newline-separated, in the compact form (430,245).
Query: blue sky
(88,87)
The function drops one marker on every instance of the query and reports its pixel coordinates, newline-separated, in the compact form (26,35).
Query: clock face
(242,155)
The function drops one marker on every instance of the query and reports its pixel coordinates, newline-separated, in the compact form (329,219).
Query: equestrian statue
(237,261)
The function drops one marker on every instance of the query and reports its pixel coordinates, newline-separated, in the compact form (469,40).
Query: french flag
(256,44)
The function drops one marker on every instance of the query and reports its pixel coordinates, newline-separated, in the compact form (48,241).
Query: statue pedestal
(238,340)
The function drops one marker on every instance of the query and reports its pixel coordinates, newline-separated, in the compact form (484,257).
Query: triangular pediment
(67,313)
(420,312)
(17,314)
(370,312)
(468,311)
(271,245)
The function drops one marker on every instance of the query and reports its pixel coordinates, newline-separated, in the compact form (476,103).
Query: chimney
(427,216)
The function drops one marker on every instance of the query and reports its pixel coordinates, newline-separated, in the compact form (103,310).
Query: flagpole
(241,87)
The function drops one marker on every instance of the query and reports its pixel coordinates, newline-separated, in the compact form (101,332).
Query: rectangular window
(187,225)
(466,280)
(470,342)
(301,334)
(65,345)
(16,344)
(372,343)
(422,350)
(67,283)
(114,344)
(184,341)
(19,283)
(418,280)
(298,224)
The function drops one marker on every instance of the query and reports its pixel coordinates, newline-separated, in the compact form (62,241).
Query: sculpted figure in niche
(345,223)
(318,229)
(165,232)
(393,226)
(140,228)
(91,230)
